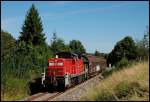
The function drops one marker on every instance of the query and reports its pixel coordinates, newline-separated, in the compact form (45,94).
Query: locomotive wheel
(49,88)
(80,79)
(61,84)
(76,80)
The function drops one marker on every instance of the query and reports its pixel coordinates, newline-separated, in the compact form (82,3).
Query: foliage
(129,84)
(124,48)
(105,95)
(97,53)
(20,60)
(14,89)
(143,46)
(77,47)
(32,30)
(106,73)
(146,38)
(7,42)
(58,45)
(124,88)
(122,63)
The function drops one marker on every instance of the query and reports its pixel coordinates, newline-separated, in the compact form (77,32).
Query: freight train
(68,69)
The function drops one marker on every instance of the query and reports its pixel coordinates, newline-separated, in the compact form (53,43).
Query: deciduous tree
(77,47)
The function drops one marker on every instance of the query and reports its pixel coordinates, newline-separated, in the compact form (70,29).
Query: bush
(14,89)
(105,95)
(124,88)
(21,65)
(122,63)
(107,72)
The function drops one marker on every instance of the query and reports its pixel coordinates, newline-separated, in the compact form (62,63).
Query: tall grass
(17,88)
(131,84)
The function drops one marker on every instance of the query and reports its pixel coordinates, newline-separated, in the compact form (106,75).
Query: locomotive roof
(66,53)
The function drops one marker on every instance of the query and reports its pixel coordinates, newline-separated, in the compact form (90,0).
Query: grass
(128,84)
(17,88)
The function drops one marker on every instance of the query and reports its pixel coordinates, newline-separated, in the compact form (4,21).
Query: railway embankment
(128,84)
(75,93)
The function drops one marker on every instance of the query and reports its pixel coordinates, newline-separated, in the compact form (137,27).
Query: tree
(97,53)
(77,47)
(58,44)
(146,38)
(7,42)
(32,30)
(143,46)
(124,48)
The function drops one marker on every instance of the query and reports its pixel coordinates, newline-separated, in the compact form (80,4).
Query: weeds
(129,84)
(105,95)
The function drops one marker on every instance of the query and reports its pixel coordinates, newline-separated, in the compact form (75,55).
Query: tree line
(130,50)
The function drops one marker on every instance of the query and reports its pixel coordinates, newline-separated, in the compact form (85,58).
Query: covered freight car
(96,64)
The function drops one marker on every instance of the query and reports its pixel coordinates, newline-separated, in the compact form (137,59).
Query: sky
(99,25)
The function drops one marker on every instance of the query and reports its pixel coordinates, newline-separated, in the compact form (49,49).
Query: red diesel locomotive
(66,70)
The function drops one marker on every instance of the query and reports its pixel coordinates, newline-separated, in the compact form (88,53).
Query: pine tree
(32,30)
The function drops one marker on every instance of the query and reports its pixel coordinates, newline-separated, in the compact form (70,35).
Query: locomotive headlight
(60,64)
(51,63)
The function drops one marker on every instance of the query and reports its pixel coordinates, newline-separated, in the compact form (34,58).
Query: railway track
(36,96)
(74,90)
(50,96)
(53,96)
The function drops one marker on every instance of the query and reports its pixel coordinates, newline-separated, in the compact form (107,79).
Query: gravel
(77,92)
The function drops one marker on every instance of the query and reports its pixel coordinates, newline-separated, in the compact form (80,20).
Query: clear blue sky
(97,24)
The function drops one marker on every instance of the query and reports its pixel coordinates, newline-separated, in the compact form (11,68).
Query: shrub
(107,72)
(124,88)
(14,89)
(105,95)
(122,63)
